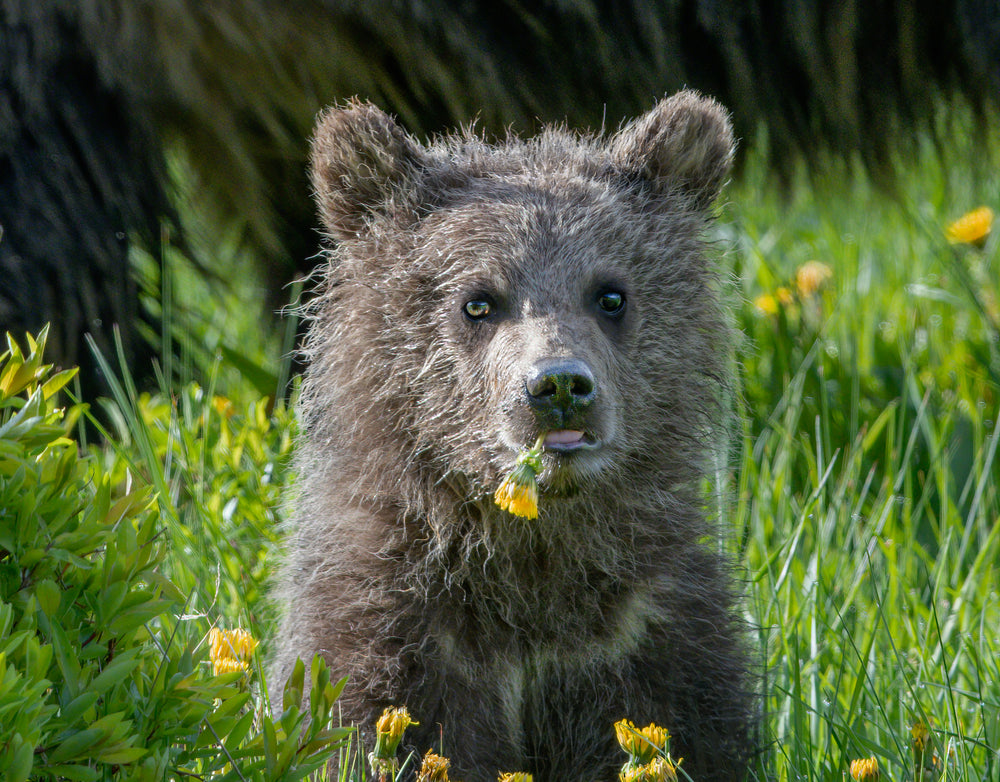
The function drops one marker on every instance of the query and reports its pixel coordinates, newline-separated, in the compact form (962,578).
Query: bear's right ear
(360,159)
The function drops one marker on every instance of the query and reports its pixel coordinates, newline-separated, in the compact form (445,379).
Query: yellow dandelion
(767,304)
(518,494)
(434,768)
(971,228)
(393,722)
(230,650)
(228,665)
(517,776)
(921,735)
(865,770)
(235,644)
(388,733)
(660,769)
(223,406)
(785,296)
(810,277)
(642,745)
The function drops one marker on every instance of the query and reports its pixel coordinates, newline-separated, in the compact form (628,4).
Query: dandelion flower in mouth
(865,770)
(971,228)
(518,494)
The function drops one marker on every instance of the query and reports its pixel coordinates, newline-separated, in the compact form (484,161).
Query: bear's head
(480,295)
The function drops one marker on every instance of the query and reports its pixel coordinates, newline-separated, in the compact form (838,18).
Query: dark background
(94,95)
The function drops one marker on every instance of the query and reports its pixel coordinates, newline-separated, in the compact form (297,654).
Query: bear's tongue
(563,437)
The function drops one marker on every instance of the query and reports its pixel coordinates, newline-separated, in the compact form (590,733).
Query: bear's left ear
(360,160)
(685,142)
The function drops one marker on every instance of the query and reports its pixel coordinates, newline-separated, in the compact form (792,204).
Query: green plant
(102,673)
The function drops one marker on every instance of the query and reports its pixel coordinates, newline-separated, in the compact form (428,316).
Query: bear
(479,296)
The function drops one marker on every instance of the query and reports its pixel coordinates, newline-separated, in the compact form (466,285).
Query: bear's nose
(566,384)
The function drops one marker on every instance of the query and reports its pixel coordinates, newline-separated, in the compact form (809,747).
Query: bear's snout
(559,389)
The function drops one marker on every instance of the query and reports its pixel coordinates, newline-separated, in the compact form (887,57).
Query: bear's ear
(360,159)
(685,142)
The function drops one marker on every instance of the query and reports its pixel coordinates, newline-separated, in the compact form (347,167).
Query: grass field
(865,513)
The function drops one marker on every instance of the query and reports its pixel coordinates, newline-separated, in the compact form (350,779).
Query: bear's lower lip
(567,440)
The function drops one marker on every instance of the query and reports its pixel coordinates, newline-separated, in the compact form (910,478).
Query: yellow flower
(971,228)
(810,277)
(642,745)
(865,770)
(921,735)
(434,768)
(517,776)
(518,493)
(230,650)
(767,304)
(659,769)
(388,733)
(228,665)
(234,644)
(223,406)
(784,296)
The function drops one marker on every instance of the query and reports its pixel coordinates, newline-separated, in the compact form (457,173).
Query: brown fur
(519,642)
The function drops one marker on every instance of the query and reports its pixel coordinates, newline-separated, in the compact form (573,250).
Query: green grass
(865,514)
(867,508)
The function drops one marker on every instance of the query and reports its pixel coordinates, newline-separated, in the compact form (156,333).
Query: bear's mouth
(569,440)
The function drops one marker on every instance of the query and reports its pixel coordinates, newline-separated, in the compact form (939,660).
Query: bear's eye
(477,309)
(611,302)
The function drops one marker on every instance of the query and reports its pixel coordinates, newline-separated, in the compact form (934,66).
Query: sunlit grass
(865,509)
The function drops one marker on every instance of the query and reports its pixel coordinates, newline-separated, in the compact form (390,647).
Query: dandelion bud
(641,745)
(865,770)
(810,277)
(230,650)
(434,768)
(388,733)
(660,769)
(228,665)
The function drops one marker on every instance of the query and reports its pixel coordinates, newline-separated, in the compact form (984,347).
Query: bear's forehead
(525,225)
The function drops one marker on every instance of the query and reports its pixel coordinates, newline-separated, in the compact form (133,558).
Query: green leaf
(116,671)
(21,760)
(48,596)
(57,382)
(78,706)
(75,773)
(78,745)
(121,755)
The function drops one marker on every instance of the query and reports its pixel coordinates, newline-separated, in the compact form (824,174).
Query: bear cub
(478,297)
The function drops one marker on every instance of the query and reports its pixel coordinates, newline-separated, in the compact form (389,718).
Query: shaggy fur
(95,93)
(521,642)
